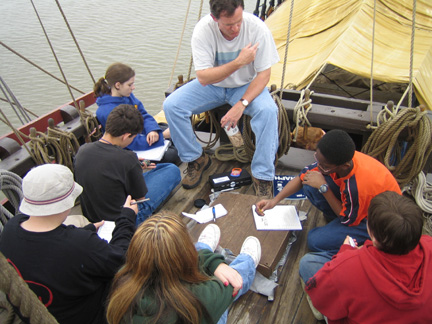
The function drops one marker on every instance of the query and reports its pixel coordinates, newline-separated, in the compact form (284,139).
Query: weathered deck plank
(290,304)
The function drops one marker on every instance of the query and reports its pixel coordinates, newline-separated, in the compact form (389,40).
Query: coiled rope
(421,191)
(10,185)
(56,146)
(244,154)
(21,296)
(411,128)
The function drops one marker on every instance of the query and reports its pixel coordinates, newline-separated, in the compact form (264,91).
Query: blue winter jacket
(107,103)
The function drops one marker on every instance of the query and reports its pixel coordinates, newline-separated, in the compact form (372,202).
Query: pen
(214,214)
(139,201)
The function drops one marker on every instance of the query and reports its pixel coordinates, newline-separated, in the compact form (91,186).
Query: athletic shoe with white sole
(210,236)
(252,246)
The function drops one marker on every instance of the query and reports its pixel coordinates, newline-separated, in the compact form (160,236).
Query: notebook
(105,231)
(154,154)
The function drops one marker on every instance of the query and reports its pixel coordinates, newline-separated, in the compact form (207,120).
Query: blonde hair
(161,258)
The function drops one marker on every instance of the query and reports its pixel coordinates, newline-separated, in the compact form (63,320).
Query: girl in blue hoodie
(116,88)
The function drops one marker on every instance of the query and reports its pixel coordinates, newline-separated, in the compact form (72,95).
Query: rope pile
(56,146)
(244,154)
(91,124)
(403,144)
(10,185)
(421,191)
(21,296)
(301,110)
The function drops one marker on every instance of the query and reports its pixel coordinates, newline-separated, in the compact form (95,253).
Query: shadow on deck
(289,304)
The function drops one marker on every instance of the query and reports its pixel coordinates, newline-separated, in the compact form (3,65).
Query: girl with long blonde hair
(166,279)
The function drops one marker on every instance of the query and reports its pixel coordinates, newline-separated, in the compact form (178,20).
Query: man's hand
(314,179)
(233,115)
(228,275)
(152,137)
(247,54)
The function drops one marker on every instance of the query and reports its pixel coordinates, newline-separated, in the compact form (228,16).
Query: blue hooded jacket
(107,103)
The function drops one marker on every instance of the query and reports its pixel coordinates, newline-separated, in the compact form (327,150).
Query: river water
(144,34)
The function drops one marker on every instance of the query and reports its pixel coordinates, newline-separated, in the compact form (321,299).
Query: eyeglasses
(321,168)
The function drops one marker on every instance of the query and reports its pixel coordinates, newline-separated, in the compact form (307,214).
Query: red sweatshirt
(369,286)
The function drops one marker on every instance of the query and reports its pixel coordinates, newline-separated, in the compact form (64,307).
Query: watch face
(323,188)
(244,102)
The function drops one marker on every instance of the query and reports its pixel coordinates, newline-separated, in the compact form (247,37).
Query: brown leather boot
(195,170)
(263,188)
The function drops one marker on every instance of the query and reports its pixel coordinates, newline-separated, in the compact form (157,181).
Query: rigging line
(27,110)
(179,46)
(75,40)
(412,55)
(55,56)
(38,67)
(191,58)
(372,61)
(256,11)
(7,92)
(15,131)
(286,49)
(13,107)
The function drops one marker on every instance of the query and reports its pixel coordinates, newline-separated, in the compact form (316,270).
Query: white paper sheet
(206,215)
(105,231)
(281,217)
(154,154)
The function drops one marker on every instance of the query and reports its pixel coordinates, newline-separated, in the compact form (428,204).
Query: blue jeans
(193,98)
(160,182)
(330,237)
(310,263)
(244,265)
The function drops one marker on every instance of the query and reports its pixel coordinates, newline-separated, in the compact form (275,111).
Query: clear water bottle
(234,136)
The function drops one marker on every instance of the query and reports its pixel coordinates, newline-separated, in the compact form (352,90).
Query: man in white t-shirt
(233,52)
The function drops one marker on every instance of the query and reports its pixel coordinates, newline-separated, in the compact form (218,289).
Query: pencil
(139,201)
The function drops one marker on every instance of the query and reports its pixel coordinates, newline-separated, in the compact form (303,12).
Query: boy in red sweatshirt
(387,280)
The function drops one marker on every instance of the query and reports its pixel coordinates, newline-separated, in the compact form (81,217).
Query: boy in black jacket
(69,268)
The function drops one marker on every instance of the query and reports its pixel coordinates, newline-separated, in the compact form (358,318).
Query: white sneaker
(252,246)
(210,236)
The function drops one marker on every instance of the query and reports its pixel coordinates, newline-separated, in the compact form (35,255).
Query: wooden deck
(289,304)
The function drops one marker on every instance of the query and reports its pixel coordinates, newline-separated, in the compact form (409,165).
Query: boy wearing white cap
(68,268)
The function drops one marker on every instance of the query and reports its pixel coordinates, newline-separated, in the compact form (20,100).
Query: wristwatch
(244,102)
(323,188)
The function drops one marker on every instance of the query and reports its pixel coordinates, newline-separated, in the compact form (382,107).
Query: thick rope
(421,191)
(21,296)
(406,157)
(245,153)
(56,146)
(10,185)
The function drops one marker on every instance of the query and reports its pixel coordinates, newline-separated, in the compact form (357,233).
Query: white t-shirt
(211,49)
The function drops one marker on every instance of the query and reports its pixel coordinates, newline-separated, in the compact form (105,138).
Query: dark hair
(396,222)
(229,6)
(116,72)
(337,147)
(124,119)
